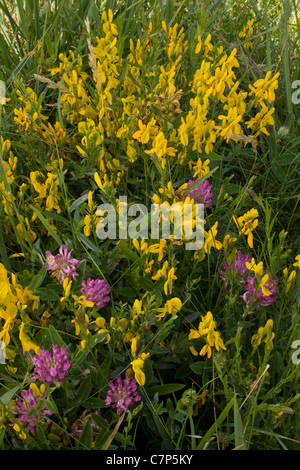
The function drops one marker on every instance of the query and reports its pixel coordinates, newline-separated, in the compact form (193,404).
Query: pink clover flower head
(62,265)
(25,406)
(254,293)
(121,396)
(236,269)
(202,194)
(96,291)
(51,367)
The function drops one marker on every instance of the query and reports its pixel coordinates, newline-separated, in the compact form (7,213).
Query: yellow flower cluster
(14,300)
(207,329)
(246,34)
(246,224)
(265,334)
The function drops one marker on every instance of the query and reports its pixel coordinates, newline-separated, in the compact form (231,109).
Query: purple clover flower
(50,367)
(202,194)
(62,265)
(253,293)
(236,269)
(121,396)
(24,407)
(96,291)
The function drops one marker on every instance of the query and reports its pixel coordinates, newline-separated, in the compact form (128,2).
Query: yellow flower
(263,89)
(27,343)
(172,306)
(246,224)
(264,333)
(213,339)
(168,286)
(67,289)
(257,268)
(137,309)
(160,148)
(158,248)
(144,132)
(210,239)
(100,328)
(259,122)
(81,300)
(228,240)
(289,280)
(99,183)
(21,434)
(137,366)
(297,264)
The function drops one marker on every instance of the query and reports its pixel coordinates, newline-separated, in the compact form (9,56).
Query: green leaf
(47,294)
(86,438)
(128,252)
(7,396)
(51,406)
(286,159)
(38,279)
(84,389)
(100,421)
(94,403)
(165,389)
(97,338)
(146,284)
(216,425)
(183,372)
(79,201)
(148,371)
(127,292)
(46,225)
(87,242)
(198,367)
(239,437)
(55,338)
